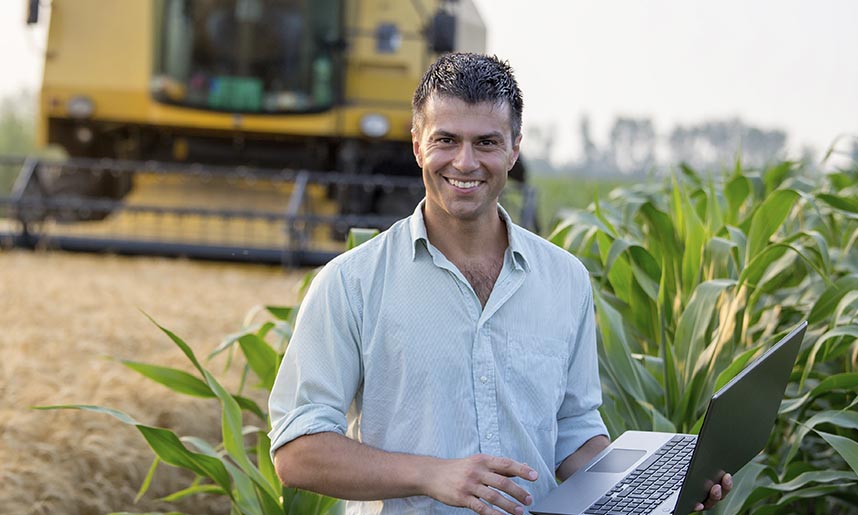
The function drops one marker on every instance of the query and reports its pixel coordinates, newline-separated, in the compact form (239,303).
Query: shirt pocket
(536,378)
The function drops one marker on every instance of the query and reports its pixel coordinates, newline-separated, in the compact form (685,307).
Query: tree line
(634,147)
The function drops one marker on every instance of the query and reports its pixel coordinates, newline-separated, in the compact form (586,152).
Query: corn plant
(694,276)
(241,472)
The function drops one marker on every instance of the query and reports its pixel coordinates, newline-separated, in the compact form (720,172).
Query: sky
(776,64)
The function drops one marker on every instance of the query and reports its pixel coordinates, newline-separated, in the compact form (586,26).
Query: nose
(466,160)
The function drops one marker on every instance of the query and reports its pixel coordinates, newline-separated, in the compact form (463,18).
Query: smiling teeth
(463,184)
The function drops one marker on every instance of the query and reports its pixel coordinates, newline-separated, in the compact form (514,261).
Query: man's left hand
(717,493)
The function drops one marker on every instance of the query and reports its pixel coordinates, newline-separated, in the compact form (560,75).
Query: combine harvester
(246,130)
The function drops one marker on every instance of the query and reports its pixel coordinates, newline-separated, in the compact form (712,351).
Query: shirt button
(484,379)
(489,436)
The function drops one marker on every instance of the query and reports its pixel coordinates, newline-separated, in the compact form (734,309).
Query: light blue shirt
(393,348)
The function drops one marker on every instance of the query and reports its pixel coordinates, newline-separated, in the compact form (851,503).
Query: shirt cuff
(305,420)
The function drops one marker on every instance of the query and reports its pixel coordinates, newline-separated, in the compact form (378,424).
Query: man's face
(465,151)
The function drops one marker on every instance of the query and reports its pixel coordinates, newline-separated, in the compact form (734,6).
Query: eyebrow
(491,135)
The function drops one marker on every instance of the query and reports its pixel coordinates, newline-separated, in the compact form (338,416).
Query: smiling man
(448,365)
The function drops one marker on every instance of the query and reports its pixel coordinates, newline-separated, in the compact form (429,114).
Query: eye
(444,140)
(487,143)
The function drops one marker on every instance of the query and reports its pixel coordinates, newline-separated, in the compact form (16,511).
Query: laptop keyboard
(651,483)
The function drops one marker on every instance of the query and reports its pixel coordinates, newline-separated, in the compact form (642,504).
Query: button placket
(484,386)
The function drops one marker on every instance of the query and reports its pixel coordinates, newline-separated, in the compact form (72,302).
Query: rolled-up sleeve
(578,419)
(321,370)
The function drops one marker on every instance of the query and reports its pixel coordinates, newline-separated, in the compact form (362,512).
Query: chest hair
(482,277)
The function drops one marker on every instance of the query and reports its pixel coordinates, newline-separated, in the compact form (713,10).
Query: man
(457,349)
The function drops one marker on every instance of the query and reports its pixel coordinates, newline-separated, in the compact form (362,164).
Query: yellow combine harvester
(232,129)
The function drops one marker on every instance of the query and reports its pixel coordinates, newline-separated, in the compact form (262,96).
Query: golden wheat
(61,315)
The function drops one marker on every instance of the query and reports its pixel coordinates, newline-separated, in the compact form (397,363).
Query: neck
(467,240)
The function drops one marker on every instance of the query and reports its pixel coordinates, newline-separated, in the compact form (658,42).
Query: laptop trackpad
(618,460)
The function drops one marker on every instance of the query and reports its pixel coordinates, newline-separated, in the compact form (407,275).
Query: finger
(508,467)
(726,484)
(494,498)
(698,507)
(714,496)
(508,486)
(478,506)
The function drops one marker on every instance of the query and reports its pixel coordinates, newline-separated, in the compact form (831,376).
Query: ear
(516,148)
(415,147)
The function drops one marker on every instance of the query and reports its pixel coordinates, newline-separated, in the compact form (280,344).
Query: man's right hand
(476,483)
(337,466)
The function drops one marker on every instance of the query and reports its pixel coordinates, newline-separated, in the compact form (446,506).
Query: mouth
(465,185)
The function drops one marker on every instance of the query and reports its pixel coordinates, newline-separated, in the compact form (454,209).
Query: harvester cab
(255,130)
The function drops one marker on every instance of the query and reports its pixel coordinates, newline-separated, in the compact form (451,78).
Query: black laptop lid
(739,419)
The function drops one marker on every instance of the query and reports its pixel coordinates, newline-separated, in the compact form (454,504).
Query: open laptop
(643,473)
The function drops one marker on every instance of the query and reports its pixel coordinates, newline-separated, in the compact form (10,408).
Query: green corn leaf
(166,445)
(263,360)
(849,331)
(844,419)
(769,216)
(829,299)
(658,421)
(791,405)
(170,450)
(744,482)
(179,343)
(754,271)
(672,378)
(177,380)
(845,381)
(619,272)
(736,365)
(359,236)
(617,248)
(119,415)
(646,271)
(773,177)
(305,282)
(615,345)
(194,490)
(269,503)
(814,477)
(281,312)
(812,492)
(201,445)
(694,323)
(713,218)
(845,447)
(246,496)
(250,405)
(738,237)
(147,481)
(736,192)
(300,502)
(847,204)
(147,513)
(263,458)
(693,233)
(227,343)
(606,224)
(233,438)
(690,174)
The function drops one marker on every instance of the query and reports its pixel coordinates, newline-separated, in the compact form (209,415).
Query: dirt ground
(64,320)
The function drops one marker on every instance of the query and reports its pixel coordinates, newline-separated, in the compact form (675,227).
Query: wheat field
(64,321)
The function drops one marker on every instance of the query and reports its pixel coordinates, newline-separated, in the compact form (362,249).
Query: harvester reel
(76,189)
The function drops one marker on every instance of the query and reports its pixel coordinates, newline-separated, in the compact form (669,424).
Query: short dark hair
(473,78)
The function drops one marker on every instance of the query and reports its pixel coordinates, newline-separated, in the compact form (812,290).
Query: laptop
(643,473)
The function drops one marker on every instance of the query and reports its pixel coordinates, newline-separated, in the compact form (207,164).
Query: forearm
(337,466)
(579,458)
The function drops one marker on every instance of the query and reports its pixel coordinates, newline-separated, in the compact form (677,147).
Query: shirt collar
(417,226)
